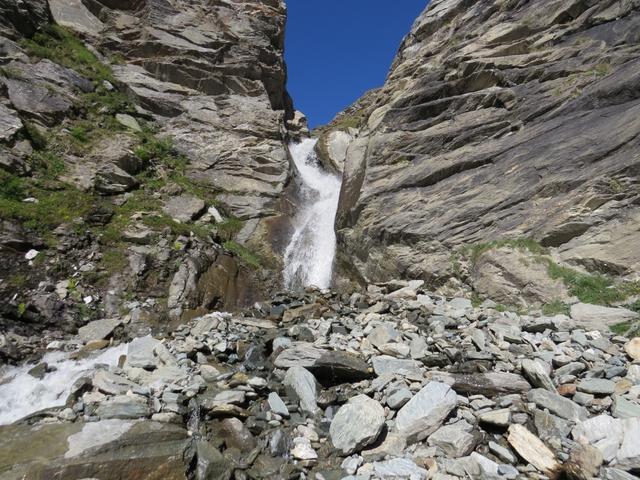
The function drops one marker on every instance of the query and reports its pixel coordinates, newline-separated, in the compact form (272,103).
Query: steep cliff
(499,120)
(144,159)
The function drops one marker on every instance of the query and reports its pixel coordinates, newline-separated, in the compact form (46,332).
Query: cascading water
(310,254)
(22,394)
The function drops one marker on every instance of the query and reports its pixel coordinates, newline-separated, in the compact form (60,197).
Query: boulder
(98,329)
(356,424)
(426,411)
(596,317)
(302,385)
(184,208)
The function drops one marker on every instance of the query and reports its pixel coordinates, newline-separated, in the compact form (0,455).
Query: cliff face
(499,119)
(143,158)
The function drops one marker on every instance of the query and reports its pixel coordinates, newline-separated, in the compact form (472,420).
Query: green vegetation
(621,328)
(244,253)
(475,251)
(52,207)
(22,308)
(555,308)
(38,140)
(59,45)
(229,228)
(592,288)
(602,70)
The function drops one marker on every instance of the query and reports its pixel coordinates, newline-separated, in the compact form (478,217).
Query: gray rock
(399,468)
(384,364)
(140,353)
(629,454)
(623,408)
(596,317)
(302,385)
(596,386)
(454,440)
(299,354)
(184,208)
(498,418)
(113,384)
(129,122)
(557,404)
(356,424)
(398,398)
(426,411)
(110,179)
(123,407)
(98,329)
(74,15)
(277,406)
(537,374)
(383,334)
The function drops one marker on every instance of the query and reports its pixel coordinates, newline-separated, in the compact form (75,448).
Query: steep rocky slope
(143,158)
(499,120)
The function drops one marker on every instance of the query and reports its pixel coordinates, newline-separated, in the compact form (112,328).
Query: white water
(21,394)
(309,256)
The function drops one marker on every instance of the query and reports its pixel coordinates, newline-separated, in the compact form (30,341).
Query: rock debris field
(394,383)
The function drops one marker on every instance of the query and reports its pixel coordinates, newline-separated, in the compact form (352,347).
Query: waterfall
(310,254)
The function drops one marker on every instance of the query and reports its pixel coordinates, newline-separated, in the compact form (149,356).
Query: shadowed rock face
(497,121)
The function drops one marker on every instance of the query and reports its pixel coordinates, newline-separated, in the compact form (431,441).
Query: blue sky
(338,49)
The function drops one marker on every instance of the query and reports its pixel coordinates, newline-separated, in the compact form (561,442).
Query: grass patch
(228,229)
(59,45)
(592,288)
(621,328)
(51,209)
(475,251)
(48,164)
(556,307)
(243,253)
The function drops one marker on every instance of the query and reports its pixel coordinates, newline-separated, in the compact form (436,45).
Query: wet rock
(426,411)
(124,407)
(357,424)
(236,435)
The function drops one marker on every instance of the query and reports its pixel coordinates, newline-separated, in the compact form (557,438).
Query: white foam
(310,254)
(21,394)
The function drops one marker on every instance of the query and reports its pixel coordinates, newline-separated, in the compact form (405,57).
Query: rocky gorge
(166,219)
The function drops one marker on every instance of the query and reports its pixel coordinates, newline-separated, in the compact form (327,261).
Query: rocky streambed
(391,383)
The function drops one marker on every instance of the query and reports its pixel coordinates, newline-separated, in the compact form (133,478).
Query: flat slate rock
(98,329)
(426,411)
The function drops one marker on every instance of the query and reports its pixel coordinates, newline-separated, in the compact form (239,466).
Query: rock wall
(143,159)
(497,121)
